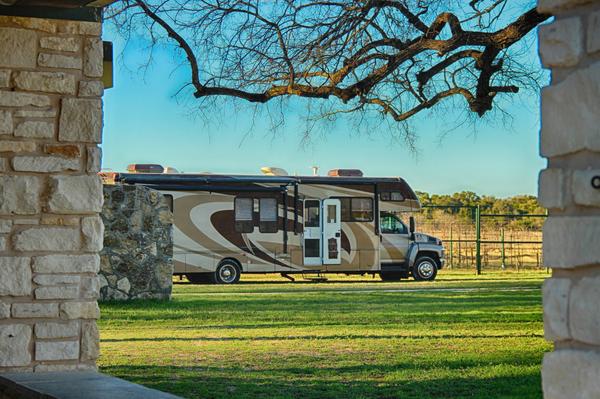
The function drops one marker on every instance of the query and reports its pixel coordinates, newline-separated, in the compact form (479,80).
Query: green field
(458,337)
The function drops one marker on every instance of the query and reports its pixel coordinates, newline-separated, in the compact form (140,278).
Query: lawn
(458,337)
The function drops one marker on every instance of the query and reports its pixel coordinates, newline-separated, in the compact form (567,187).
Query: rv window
(268,215)
(390,224)
(356,209)
(391,196)
(243,215)
(311,214)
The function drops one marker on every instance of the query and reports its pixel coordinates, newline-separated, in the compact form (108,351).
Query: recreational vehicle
(225,225)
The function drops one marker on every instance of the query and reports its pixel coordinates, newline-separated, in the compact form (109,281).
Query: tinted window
(357,209)
(243,215)
(391,196)
(390,224)
(311,213)
(267,215)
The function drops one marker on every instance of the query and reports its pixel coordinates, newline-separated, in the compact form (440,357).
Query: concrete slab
(73,385)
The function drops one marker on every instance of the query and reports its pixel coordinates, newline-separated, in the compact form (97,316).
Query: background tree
(392,57)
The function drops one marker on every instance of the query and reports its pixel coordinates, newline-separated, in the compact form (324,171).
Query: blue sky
(145,123)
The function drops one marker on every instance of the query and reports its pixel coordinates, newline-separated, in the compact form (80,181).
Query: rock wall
(50,194)
(136,262)
(570,188)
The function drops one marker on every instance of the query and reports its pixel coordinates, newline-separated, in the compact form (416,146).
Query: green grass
(458,337)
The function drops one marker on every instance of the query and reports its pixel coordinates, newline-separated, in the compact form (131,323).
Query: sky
(144,122)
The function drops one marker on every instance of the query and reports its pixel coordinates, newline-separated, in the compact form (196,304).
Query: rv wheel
(228,272)
(424,269)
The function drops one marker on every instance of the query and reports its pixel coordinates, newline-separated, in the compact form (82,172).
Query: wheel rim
(426,269)
(227,273)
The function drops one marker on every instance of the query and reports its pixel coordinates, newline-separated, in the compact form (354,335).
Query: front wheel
(228,272)
(424,269)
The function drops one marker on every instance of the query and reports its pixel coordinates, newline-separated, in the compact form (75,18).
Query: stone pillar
(50,194)
(570,139)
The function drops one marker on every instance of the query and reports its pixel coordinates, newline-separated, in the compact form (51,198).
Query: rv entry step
(316,277)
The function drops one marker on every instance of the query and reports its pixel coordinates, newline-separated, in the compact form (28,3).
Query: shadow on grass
(404,380)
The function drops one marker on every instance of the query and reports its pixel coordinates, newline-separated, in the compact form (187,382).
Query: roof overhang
(78,10)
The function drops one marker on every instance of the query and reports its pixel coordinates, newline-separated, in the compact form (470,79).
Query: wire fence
(483,241)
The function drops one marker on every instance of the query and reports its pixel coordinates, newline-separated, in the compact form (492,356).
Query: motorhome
(226,225)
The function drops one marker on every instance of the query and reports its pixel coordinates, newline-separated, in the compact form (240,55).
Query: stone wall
(50,195)
(137,259)
(570,139)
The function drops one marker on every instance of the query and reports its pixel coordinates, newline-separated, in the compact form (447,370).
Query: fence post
(478,239)
(451,248)
(502,240)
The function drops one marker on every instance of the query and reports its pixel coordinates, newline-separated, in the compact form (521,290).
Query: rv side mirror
(411,225)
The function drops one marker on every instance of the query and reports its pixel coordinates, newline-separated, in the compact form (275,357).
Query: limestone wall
(50,195)
(137,259)
(570,139)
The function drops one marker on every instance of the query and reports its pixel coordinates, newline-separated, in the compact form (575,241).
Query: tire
(228,272)
(425,269)
(390,276)
(201,278)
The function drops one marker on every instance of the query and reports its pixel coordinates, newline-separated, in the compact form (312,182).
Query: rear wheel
(424,269)
(228,272)
(390,276)
(200,278)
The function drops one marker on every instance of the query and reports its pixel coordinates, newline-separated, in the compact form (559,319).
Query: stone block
(14,345)
(90,287)
(19,195)
(3,165)
(571,241)
(44,25)
(62,292)
(556,307)
(60,220)
(15,276)
(584,312)
(35,113)
(33,310)
(61,43)
(561,42)
(3,244)
(80,310)
(576,126)
(35,129)
(75,194)
(53,239)
(93,54)
(49,330)
(93,88)
(64,150)
(93,233)
(6,122)
(81,120)
(17,146)
(572,374)
(4,310)
(90,339)
(593,32)
(17,99)
(551,188)
(66,264)
(19,48)
(44,164)
(80,28)
(4,79)
(583,191)
(5,226)
(57,350)
(51,82)
(59,61)
(56,279)
(94,159)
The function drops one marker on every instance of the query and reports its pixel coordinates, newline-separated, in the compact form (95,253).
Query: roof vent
(145,168)
(345,173)
(273,171)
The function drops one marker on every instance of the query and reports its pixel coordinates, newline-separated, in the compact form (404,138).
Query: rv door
(332,231)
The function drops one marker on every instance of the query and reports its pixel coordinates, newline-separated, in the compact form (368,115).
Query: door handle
(338,234)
